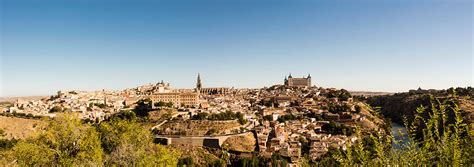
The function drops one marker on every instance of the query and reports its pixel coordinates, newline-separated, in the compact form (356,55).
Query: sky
(367,45)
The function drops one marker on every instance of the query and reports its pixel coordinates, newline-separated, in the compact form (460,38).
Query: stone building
(163,92)
(210,91)
(298,82)
(177,98)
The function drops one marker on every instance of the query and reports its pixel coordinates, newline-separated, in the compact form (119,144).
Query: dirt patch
(160,115)
(18,128)
(240,143)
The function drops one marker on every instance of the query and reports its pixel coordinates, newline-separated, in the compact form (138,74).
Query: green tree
(128,143)
(56,109)
(160,104)
(164,104)
(201,116)
(65,142)
(358,109)
(31,154)
(241,118)
(2,132)
(444,139)
(268,118)
(143,107)
(287,117)
(6,144)
(211,132)
(169,104)
(187,161)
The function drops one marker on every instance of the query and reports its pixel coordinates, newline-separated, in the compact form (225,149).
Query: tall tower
(198,83)
(309,80)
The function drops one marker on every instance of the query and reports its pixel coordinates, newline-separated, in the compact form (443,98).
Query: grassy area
(196,127)
(5,104)
(160,115)
(18,128)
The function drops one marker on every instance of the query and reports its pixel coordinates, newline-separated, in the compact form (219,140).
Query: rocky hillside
(404,104)
(240,143)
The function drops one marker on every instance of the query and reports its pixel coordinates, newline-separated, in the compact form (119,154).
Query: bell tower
(198,83)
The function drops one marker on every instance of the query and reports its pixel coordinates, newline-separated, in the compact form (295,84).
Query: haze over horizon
(389,46)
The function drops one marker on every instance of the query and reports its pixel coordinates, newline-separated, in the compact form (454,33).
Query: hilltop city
(292,119)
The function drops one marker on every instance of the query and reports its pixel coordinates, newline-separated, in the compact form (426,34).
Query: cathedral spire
(198,83)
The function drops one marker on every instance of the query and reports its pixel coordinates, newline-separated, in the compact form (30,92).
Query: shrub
(65,142)
(2,132)
(358,109)
(337,129)
(56,109)
(288,117)
(211,132)
(440,142)
(268,118)
(187,161)
(143,107)
(7,144)
(128,143)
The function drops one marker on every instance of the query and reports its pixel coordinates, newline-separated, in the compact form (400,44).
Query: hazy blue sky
(388,45)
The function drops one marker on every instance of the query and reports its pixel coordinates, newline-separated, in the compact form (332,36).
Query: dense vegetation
(337,129)
(442,142)
(275,160)
(66,141)
(23,115)
(6,104)
(144,106)
(287,117)
(163,104)
(338,108)
(342,94)
(400,105)
(228,115)
(438,136)
(446,140)
(5,143)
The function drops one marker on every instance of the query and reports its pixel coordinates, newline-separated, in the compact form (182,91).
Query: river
(396,129)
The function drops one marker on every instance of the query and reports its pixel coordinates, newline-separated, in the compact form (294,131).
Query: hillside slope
(399,105)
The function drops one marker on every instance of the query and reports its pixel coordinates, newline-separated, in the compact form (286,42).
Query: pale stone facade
(163,92)
(298,82)
(177,98)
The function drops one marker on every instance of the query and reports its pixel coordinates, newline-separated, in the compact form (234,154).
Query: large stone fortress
(298,82)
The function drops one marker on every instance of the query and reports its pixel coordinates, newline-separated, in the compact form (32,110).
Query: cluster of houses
(281,101)
(303,134)
(94,105)
(222,104)
(287,120)
(289,138)
(90,105)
